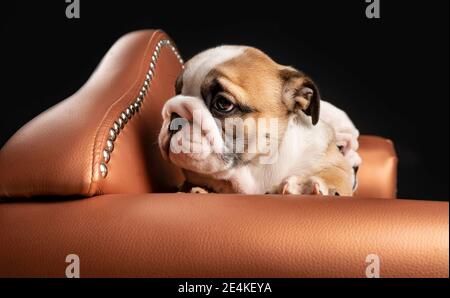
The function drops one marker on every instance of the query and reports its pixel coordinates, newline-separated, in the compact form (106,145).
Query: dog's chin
(196,162)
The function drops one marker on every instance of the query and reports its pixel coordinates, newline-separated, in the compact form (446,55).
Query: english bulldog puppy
(241,123)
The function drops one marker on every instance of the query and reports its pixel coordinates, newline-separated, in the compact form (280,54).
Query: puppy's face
(240,101)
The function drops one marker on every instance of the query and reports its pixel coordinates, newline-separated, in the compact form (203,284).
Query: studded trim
(128,113)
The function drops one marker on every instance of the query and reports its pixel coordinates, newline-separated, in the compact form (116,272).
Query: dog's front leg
(296,185)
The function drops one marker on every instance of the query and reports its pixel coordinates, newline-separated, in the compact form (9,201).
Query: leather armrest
(184,235)
(377,175)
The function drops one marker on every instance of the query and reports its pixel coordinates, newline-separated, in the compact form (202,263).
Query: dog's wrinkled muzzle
(181,110)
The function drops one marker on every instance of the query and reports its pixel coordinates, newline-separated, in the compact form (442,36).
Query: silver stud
(137,105)
(112,135)
(128,113)
(124,117)
(116,127)
(152,65)
(181,61)
(106,155)
(103,170)
(144,90)
(168,41)
(146,83)
(154,58)
(150,73)
(131,107)
(110,145)
(121,122)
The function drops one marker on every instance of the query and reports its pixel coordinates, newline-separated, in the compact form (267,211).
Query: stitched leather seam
(127,113)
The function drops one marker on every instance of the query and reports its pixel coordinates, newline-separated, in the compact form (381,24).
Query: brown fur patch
(261,92)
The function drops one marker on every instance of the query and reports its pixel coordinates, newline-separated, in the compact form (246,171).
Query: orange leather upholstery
(184,235)
(61,151)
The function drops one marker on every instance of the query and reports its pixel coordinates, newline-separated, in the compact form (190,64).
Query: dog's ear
(300,93)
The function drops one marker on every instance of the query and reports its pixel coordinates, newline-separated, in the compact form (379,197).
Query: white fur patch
(344,129)
(299,154)
(200,65)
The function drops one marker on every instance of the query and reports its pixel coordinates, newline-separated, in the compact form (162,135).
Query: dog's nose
(174,127)
(174,116)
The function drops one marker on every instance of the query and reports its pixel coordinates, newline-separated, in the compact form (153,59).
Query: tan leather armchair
(86,177)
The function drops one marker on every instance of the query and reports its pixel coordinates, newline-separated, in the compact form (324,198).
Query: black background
(390,74)
(281,287)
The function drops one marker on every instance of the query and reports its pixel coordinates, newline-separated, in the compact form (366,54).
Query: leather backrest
(62,151)
(103,139)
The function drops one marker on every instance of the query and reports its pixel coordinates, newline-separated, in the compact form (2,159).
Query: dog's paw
(198,190)
(296,185)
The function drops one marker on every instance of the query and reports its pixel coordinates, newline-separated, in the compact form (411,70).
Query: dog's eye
(223,105)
